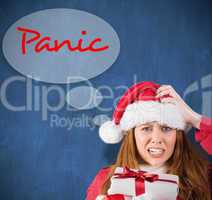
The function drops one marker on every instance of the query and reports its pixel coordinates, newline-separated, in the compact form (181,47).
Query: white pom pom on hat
(110,133)
(137,106)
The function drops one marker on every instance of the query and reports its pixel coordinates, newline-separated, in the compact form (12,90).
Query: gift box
(141,185)
(123,197)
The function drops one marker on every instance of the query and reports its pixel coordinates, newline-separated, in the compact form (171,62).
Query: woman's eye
(146,129)
(166,129)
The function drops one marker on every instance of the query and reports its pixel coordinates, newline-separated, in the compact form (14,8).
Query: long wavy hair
(186,162)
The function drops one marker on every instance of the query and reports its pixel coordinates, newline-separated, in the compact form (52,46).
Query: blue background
(168,42)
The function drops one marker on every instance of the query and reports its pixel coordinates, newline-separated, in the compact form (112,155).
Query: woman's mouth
(155,152)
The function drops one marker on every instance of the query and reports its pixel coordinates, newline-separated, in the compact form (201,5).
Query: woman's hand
(190,116)
(101,197)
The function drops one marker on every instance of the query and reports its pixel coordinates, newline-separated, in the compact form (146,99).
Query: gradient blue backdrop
(165,41)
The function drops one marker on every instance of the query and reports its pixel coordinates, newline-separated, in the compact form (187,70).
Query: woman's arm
(204,134)
(94,189)
(202,123)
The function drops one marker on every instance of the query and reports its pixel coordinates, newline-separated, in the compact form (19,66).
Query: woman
(153,121)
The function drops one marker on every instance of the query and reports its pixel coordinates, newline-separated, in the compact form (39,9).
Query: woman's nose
(156,136)
(156,142)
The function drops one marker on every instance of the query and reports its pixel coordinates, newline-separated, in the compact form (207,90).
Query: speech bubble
(54,45)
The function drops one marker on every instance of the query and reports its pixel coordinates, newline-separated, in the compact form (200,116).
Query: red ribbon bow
(140,177)
(115,197)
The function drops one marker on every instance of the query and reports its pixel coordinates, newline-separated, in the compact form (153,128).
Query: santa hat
(137,106)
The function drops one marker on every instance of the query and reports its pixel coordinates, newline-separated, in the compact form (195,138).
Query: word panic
(42,43)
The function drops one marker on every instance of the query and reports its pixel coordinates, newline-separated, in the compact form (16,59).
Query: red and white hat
(137,106)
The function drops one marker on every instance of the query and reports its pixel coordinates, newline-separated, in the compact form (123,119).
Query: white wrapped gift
(164,187)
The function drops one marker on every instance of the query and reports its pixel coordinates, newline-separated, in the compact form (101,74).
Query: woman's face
(155,142)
